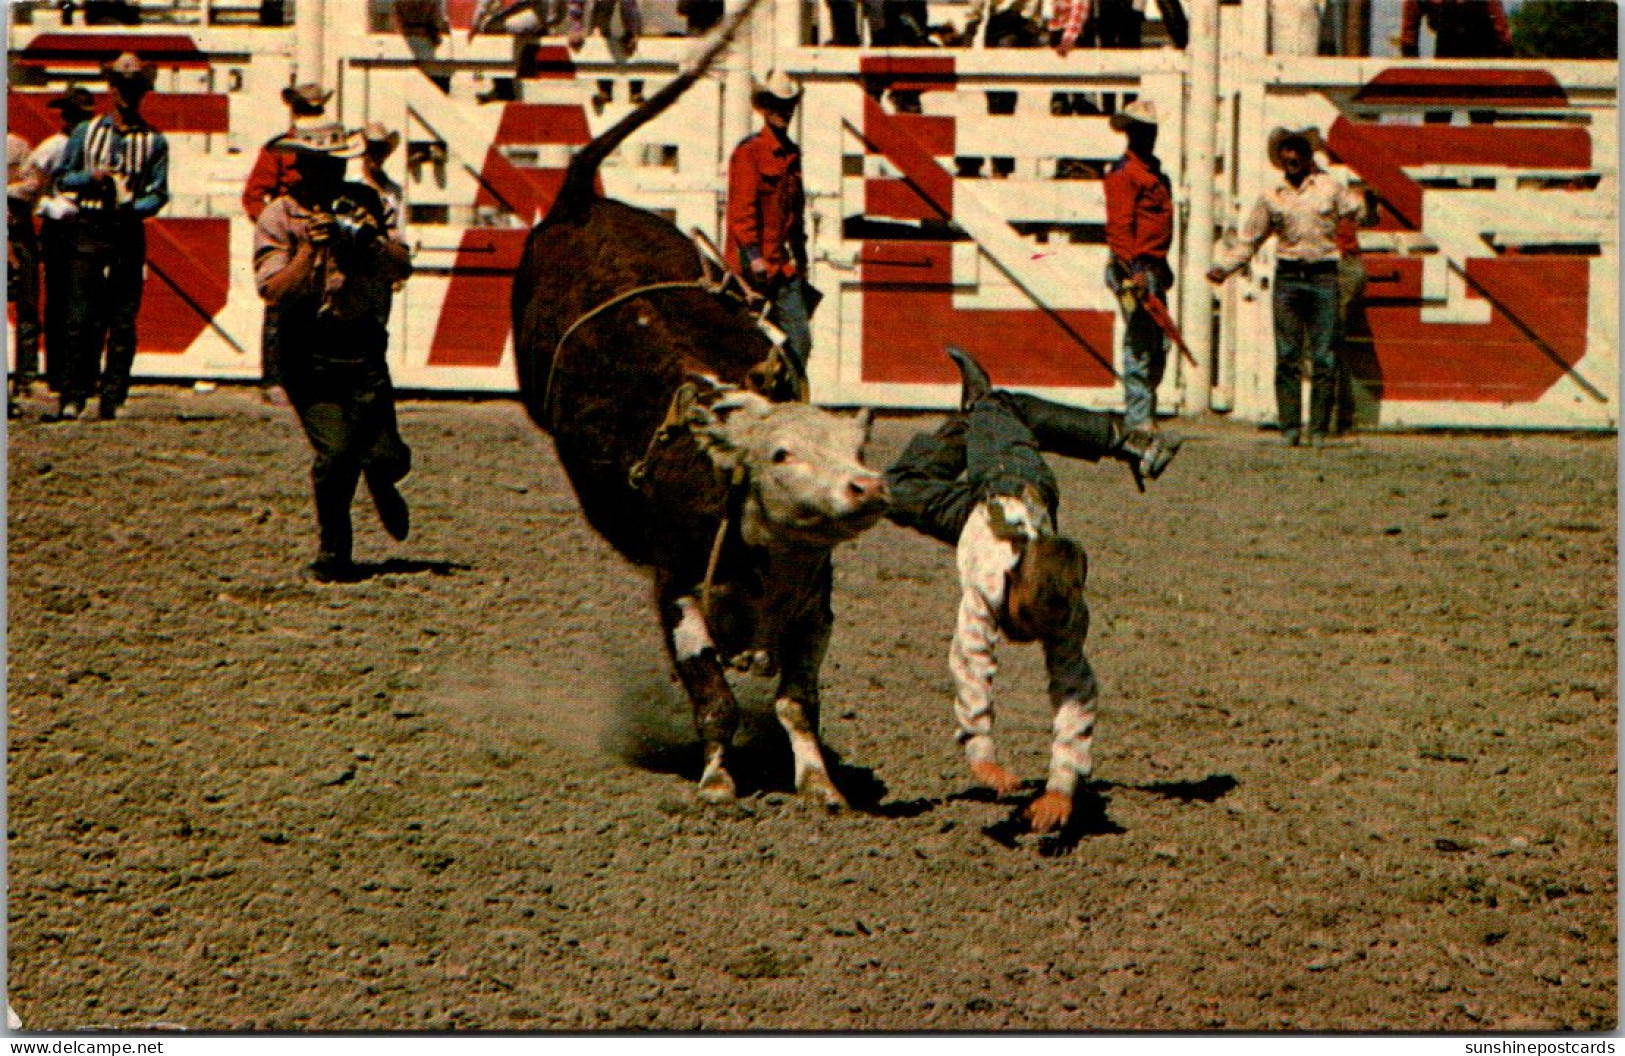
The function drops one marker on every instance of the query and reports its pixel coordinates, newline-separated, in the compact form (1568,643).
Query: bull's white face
(808,484)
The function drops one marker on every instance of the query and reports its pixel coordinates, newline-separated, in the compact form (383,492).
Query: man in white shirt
(1303,212)
(56,210)
(980,484)
(22,272)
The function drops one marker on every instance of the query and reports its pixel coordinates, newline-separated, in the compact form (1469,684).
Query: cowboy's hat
(306,99)
(1279,137)
(778,90)
(129,68)
(320,137)
(380,141)
(76,99)
(1140,112)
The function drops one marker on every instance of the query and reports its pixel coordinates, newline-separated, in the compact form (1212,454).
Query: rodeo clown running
(980,483)
(326,258)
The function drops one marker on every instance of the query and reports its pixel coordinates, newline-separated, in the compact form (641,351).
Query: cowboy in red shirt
(767,234)
(1139,230)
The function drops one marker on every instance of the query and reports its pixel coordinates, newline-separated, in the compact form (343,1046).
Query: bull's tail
(578,178)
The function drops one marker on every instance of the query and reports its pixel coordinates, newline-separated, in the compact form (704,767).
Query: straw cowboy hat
(381,142)
(75,100)
(129,68)
(306,99)
(1279,136)
(320,137)
(1140,111)
(778,90)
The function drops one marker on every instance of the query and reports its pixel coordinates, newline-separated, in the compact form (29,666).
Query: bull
(674,417)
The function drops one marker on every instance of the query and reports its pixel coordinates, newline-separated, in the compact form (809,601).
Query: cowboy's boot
(1321,393)
(1146,453)
(974,382)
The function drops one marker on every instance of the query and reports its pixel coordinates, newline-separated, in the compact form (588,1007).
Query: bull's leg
(716,712)
(803,647)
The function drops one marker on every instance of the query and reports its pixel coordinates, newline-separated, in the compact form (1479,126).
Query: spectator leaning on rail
(1462,29)
(1303,211)
(324,256)
(631,23)
(767,235)
(274,175)
(117,168)
(1139,230)
(980,484)
(56,211)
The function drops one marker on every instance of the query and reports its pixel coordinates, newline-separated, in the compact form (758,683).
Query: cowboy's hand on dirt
(996,777)
(1049,811)
(1216,275)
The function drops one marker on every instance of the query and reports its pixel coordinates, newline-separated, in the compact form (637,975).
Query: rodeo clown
(326,258)
(980,484)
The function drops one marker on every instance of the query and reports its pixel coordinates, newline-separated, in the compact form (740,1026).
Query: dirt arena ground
(1356,756)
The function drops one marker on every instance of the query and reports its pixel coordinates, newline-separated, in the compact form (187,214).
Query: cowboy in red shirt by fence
(767,233)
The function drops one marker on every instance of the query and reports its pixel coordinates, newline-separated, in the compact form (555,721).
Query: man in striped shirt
(117,168)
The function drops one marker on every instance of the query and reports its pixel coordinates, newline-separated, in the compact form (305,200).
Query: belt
(1305,267)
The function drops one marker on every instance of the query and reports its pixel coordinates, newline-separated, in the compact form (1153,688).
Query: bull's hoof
(816,786)
(716,785)
(717,788)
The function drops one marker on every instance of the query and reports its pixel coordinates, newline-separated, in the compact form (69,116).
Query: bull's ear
(753,403)
(721,427)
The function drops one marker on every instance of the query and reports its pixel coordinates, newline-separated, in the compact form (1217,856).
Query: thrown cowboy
(980,484)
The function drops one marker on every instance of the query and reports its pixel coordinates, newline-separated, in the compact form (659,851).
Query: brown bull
(643,373)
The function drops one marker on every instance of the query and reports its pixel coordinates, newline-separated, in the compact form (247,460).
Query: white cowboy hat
(778,89)
(380,140)
(320,137)
(1140,111)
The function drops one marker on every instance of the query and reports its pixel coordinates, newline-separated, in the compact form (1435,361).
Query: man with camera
(324,256)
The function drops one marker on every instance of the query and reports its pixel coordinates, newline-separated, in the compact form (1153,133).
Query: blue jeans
(1305,303)
(790,315)
(1145,346)
(990,450)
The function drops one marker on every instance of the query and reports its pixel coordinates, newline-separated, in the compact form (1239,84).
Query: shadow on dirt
(1208,790)
(1089,810)
(653,730)
(406,566)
